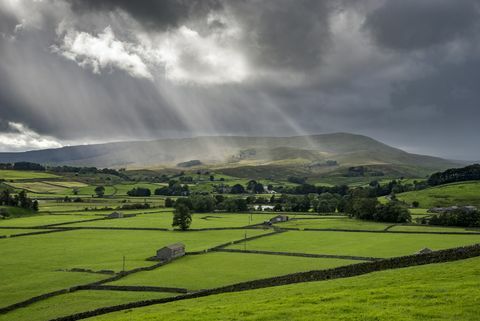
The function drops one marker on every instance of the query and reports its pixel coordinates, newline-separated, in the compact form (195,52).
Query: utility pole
(245,242)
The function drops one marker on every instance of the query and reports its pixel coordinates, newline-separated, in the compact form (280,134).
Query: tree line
(18,200)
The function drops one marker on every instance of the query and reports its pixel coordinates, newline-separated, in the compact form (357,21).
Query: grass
(447,291)
(7,232)
(357,244)
(40,187)
(75,302)
(19,175)
(464,193)
(29,265)
(217,269)
(39,220)
(335,223)
(200,220)
(13,212)
(67,184)
(430,228)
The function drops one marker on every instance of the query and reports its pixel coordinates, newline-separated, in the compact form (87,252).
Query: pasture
(446,291)
(464,193)
(83,246)
(218,268)
(366,244)
(20,175)
(32,265)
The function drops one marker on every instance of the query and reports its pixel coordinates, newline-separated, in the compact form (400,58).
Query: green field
(217,269)
(40,187)
(334,223)
(430,228)
(19,175)
(10,231)
(67,184)
(80,301)
(356,243)
(464,193)
(30,264)
(40,220)
(447,291)
(199,220)
(37,264)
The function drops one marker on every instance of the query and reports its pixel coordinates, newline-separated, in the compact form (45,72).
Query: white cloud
(23,138)
(101,52)
(189,57)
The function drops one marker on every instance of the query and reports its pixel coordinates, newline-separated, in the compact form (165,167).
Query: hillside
(417,293)
(460,194)
(301,154)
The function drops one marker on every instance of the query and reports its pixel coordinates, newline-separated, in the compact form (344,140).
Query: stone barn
(171,252)
(115,215)
(279,218)
(424,251)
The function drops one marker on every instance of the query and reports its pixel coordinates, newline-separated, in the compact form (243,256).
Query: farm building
(465,209)
(424,251)
(279,218)
(171,252)
(115,215)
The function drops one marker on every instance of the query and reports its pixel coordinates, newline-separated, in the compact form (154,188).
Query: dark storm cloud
(152,13)
(417,24)
(298,66)
(285,34)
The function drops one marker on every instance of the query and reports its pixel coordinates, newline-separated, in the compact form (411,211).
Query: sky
(405,72)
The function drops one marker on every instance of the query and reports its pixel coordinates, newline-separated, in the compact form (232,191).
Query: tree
(168,202)
(203,204)
(35,205)
(237,189)
(100,191)
(139,191)
(415,204)
(392,212)
(182,217)
(258,188)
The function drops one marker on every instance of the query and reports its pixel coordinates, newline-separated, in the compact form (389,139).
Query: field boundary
(324,256)
(135,288)
(441,256)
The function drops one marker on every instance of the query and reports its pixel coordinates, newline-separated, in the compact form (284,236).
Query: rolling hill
(289,155)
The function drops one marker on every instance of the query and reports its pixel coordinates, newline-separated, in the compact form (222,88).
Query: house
(465,209)
(279,218)
(171,252)
(264,207)
(424,251)
(115,215)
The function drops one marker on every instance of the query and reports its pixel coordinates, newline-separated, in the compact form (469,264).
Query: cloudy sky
(82,71)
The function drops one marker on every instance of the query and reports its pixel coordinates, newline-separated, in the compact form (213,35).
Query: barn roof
(176,246)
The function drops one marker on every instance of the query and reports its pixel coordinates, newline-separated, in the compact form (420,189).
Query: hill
(416,293)
(299,155)
(460,194)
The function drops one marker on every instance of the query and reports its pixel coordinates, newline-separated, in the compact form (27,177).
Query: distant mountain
(315,153)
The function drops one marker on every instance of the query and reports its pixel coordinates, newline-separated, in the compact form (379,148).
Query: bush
(140,192)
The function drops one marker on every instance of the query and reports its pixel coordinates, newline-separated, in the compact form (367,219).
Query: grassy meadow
(447,291)
(83,242)
(464,193)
